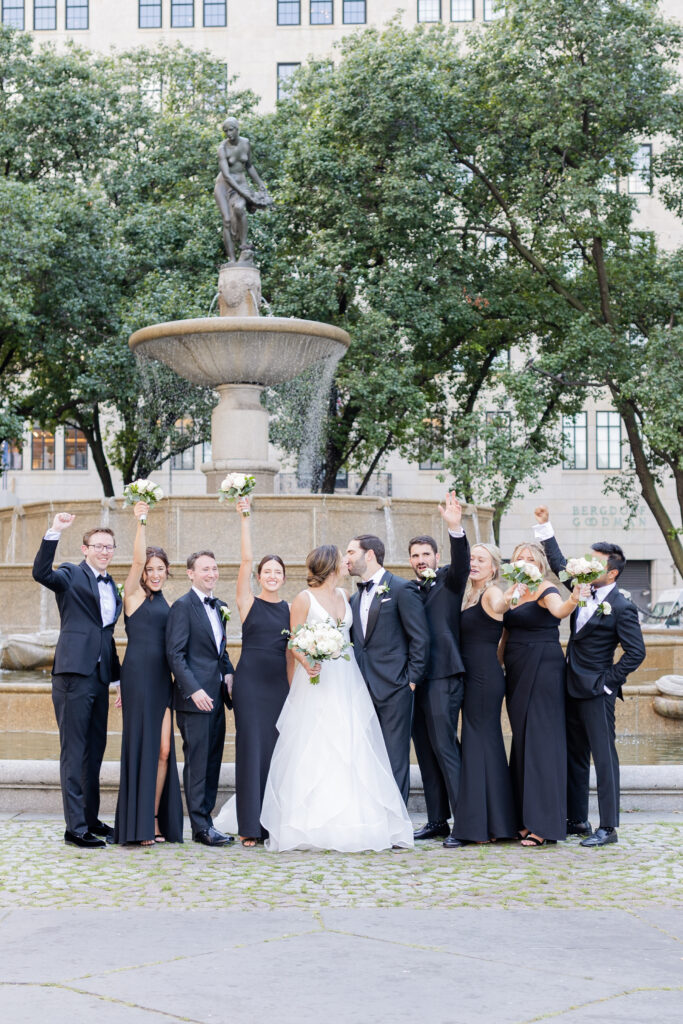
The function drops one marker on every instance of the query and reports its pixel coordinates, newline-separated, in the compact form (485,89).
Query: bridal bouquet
(522,572)
(236,485)
(318,641)
(582,570)
(142,490)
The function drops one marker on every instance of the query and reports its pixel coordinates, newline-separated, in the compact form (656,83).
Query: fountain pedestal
(239,438)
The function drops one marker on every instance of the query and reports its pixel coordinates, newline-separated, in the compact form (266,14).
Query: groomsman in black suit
(439,698)
(197,654)
(85,664)
(594,682)
(391,644)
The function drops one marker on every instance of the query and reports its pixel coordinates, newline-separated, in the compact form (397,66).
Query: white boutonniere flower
(605,608)
(225,613)
(383,589)
(428,574)
(119,588)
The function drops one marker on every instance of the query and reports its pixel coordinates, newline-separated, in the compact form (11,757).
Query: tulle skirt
(330,785)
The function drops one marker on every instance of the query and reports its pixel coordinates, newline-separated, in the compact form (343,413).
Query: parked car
(667,609)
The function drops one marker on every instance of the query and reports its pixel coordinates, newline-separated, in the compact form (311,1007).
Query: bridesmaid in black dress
(149,807)
(535,670)
(261,685)
(485,808)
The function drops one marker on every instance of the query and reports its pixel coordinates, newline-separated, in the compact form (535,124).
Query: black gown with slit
(259,690)
(485,807)
(535,694)
(146,691)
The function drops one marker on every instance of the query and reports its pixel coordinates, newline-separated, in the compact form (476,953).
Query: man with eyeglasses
(85,664)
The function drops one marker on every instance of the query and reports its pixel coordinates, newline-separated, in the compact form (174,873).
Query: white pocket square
(384,600)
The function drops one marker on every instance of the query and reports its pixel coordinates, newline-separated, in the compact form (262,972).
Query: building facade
(262,43)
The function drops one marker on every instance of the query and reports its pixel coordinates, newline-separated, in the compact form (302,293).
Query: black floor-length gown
(259,690)
(146,690)
(535,683)
(485,807)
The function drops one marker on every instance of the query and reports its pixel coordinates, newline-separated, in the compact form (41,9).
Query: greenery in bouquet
(522,572)
(235,486)
(320,641)
(584,570)
(142,490)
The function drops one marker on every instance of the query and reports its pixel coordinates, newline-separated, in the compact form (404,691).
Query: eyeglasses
(107,548)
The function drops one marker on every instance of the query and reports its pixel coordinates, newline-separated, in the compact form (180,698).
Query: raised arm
(57,580)
(245,598)
(546,535)
(459,568)
(133,594)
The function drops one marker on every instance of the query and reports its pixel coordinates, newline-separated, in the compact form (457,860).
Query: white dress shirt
(214,618)
(366,598)
(107,597)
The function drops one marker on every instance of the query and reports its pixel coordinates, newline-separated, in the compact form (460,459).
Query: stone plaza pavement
(495,933)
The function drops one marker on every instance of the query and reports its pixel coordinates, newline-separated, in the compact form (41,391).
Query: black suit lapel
(429,592)
(94,590)
(203,618)
(357,624)
(373,612)
(590,625)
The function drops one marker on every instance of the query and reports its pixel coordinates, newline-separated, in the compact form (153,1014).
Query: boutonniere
(384,589)
(428,577)
(605,608)
(225,613)
(119,589)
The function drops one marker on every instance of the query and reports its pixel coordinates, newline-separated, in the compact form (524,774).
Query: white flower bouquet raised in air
(582,570)
(236,485)
(521,572)
(318,641)
(142,490)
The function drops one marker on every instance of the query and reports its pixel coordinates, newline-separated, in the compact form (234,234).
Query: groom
(197,654)
(391,644)
(594,682)
(85,664)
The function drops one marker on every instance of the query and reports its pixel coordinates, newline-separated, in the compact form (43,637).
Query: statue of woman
(234,197)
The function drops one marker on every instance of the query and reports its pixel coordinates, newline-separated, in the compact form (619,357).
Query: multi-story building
(262,43)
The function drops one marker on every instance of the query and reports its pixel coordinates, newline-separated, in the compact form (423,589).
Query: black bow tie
(104,579)
(211,601)
(367,585)
(594,590)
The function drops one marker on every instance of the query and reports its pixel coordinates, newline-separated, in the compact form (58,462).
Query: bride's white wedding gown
(330,785)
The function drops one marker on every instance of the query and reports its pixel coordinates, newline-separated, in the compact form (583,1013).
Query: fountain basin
(240,349)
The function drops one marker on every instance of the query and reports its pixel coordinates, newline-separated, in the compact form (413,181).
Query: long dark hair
(154,553)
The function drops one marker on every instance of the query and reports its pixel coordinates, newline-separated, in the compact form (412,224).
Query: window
(575,431)
(608,440)
(288,12)
(429,10)
(498,421)
(13,13)
(284,74)
(353,12)
(341,481)
(184,459)
(430,448)
(206,451)
(11,456)
(149,13)
(45,15)
(462,10)
(493,9)
(182,13)
(215,14)
(322,12)
(75,449)
(639,179)
(76,14)
(42,449)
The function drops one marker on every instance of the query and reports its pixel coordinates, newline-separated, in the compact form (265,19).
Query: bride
(330,785)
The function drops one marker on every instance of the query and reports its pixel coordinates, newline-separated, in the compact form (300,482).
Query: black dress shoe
(579,828)
(601,837)
(432,830)
(451,843)
(212,837)
(86,840)
(100,829)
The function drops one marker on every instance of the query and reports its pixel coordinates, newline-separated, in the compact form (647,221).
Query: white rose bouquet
(236,485)
(318,641)
(522,572)
(582,570)
(142,490)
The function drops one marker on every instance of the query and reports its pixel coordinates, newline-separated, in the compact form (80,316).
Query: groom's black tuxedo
(392,653)
(198,663)
(85,663)
(590,710)
(439,699)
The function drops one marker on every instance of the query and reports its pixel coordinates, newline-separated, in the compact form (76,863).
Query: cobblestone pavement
(38,870)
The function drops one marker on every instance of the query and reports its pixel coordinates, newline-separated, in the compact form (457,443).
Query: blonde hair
(321,563)
(538,555)
(496,559)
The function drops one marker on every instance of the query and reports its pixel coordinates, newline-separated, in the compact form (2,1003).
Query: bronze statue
(234,197)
